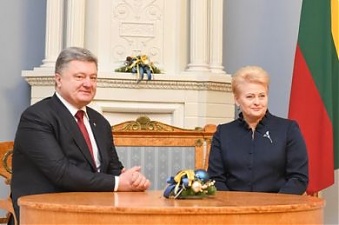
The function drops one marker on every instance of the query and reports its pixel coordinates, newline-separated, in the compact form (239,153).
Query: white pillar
(54,31)
(216,29)
(199,36)
(75,28)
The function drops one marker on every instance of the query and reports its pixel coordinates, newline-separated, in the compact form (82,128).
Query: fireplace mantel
(188,100)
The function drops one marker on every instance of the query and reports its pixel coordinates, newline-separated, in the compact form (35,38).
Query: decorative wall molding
(154,84)
(136,28)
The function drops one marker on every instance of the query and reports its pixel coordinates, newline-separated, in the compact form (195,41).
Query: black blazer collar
(71,126)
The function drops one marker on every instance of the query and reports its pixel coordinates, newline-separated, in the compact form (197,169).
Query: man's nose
(88,81)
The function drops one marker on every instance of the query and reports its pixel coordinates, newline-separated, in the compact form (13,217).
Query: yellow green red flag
(314,99)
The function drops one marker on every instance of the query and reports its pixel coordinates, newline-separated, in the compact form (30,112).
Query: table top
(154,202)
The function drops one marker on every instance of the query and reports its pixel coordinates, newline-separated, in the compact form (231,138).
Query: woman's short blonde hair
(249,74)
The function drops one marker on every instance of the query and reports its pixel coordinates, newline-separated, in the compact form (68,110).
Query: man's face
(77,82)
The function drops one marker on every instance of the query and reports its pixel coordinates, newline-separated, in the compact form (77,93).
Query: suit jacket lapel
(99,138)
(72,126)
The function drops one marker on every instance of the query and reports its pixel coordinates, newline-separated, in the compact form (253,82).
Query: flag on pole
(314,99)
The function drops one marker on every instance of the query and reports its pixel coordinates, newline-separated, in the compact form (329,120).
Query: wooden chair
(161,149)
(6,149)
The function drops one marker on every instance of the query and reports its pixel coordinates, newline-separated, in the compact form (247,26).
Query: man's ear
(57,79)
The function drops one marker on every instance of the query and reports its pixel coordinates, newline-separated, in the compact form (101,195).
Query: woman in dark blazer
(50,151)
(258,151)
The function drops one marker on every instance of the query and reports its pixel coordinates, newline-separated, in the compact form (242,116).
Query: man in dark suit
(51,154)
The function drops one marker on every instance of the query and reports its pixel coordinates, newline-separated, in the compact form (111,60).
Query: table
(151,207)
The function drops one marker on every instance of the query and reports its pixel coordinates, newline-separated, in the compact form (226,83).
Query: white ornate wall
(183,38)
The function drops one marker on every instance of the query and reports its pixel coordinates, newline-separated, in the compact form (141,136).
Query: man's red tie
(80,117)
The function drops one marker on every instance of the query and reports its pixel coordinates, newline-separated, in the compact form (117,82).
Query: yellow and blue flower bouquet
(190,184)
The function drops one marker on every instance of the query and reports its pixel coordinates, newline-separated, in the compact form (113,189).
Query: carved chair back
(162,149)
(6,149)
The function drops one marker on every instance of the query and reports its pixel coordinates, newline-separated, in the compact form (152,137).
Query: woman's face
(252,99)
